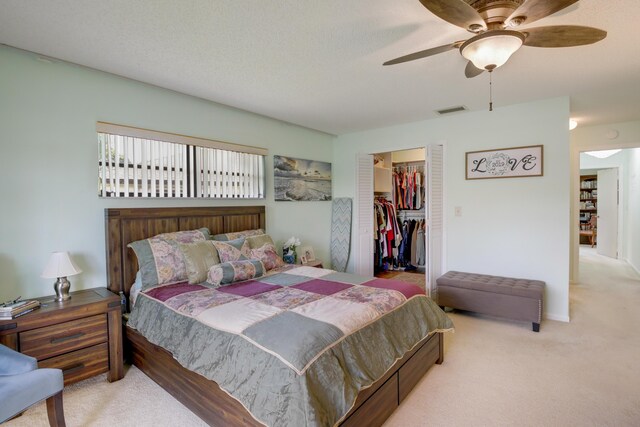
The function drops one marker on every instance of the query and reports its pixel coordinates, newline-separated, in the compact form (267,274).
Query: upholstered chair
(22,384)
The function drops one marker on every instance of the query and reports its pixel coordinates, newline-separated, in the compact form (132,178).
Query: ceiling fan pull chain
(490,91)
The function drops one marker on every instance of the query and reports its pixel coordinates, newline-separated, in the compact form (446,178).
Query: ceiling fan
(495,24)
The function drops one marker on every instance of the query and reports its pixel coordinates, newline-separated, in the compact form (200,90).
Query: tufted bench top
(496,284)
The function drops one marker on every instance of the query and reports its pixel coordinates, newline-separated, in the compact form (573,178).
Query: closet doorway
(367,227)
(399,185)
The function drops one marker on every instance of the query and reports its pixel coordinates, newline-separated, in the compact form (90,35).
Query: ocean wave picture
(301,180)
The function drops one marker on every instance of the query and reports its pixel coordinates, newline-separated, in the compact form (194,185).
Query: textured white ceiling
(318,63)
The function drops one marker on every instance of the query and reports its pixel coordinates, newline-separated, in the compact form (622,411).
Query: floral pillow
(262,248)
(160,259)
(235,271)
(238,235)
(232,250)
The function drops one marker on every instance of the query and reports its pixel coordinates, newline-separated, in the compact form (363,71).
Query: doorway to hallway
(610,206)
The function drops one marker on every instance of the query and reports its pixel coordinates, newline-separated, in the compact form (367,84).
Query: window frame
(178,166)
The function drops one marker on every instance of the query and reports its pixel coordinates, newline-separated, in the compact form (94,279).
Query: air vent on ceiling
(451,110)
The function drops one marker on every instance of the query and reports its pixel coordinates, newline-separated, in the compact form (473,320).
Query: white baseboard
(633,266)
(558,317)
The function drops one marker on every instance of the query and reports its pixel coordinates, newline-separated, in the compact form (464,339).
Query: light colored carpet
(496,373)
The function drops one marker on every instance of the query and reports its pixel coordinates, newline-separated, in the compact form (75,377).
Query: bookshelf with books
(588,197)
(588,200)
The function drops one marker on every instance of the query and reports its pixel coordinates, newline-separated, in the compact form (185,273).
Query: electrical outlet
(458,211)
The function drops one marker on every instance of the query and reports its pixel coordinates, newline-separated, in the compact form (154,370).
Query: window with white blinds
(136,162)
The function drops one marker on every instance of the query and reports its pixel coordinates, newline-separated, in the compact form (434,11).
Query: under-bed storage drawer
(64,337)
(414,369)
(80,364)
(375,410)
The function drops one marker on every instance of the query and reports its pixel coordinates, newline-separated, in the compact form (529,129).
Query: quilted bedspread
(294,347)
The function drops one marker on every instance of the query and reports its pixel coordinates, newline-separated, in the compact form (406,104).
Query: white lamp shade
(491,49)
(60,265)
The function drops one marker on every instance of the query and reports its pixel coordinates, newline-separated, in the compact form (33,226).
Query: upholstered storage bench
(516,299)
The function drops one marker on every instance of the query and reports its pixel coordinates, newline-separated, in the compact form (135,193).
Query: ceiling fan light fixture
(492,49)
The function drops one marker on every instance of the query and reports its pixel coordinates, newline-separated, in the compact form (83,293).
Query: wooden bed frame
(201,395)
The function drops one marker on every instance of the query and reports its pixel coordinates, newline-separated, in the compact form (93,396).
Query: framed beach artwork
(301,180)
(517,162)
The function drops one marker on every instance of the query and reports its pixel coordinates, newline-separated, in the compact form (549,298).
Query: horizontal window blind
(135,162)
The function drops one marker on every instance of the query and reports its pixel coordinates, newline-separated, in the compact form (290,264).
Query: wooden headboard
(123,226)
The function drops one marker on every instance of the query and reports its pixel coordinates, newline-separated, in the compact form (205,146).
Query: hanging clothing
(387,233)
(420,244)
(420,192)
(408,187)
(404,255)
(414,243)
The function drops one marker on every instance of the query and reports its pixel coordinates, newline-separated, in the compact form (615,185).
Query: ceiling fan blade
(532,10)
(424,53)
(471,70)
(456,12)
(562,36)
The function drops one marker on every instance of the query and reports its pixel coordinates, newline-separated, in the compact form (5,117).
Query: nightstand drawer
(64,337)
(80,364)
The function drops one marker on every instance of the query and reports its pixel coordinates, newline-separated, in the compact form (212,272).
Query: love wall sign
(514,162)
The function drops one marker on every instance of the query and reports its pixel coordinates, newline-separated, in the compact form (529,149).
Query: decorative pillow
(262,248)
(232,250)
(258,241)
(198,259)
(135,290)
(235,271)
(160,259)
(237,235)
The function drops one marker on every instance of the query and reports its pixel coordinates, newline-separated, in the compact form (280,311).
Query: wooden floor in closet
(415,277)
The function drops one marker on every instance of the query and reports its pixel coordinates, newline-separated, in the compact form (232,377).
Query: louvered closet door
(364,215)
(435,164)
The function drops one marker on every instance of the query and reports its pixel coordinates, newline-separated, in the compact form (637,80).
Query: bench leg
(536,327)
(55,410)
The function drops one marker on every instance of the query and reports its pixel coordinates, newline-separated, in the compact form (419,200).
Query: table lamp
(60,266)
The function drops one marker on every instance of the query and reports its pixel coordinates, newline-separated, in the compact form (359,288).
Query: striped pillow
(235,271)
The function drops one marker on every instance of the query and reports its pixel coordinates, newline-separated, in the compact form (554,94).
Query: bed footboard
(207,400)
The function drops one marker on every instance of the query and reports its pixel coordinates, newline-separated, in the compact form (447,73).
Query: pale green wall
(512,227)
(48,163)
(516,227)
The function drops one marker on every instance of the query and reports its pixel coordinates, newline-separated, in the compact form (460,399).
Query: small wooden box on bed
(203,396)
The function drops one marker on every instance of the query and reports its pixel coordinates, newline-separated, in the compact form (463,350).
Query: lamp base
(62,286)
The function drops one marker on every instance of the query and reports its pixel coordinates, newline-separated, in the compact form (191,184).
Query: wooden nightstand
(82,336)
(314,263)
